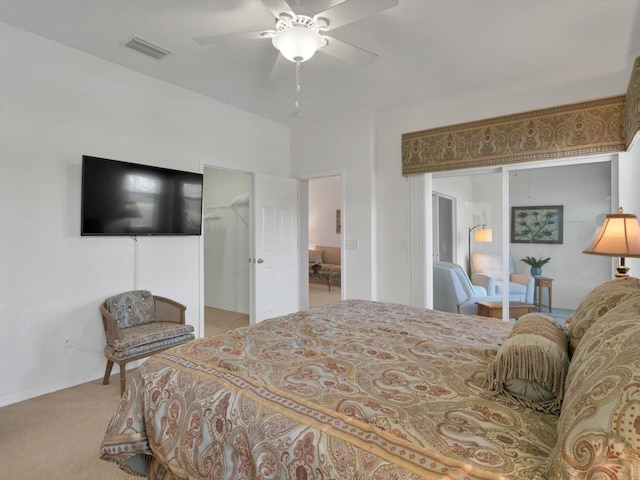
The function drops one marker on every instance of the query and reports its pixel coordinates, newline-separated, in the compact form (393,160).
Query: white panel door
(275,260)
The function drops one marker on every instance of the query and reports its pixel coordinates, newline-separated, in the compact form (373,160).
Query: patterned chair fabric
(149,334)
(138,324)
(132,308)
(148,348)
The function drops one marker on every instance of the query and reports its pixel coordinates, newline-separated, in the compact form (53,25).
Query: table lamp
(619,236)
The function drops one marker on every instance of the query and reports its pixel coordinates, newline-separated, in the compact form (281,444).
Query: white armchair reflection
(486,271)
(453,291)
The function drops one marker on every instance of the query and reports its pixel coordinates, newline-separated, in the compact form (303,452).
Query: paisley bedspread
(353,390)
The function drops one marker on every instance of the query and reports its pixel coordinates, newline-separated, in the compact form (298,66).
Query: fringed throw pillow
(531,365)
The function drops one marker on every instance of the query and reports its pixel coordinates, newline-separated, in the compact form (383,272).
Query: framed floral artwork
(542,224)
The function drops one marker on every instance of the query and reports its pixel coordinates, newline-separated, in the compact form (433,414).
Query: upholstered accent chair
(453,291)
(138,324)
(486,271)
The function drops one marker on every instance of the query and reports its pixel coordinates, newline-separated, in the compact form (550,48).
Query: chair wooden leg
(123,381)
(107,372)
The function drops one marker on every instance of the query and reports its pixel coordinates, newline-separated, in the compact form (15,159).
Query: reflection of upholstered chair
(138,324)
(486,271)
(453,291)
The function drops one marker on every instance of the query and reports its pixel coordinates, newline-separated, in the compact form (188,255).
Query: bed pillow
(315,256)
(531,365)
(598,302)
(599,425)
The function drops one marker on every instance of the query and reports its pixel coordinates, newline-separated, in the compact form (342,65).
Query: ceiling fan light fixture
(297,43)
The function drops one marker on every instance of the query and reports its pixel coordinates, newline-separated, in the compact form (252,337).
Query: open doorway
(443,227)
(325,240)
(226,249)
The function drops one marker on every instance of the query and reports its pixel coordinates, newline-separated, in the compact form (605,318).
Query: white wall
(325,197)
(367,145)
(344,145)
(629,199)
(57,104)
(584,191)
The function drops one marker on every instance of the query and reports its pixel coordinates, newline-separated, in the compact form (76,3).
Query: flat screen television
(122,198)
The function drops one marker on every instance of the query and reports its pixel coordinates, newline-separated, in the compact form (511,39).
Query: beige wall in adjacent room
(325,197)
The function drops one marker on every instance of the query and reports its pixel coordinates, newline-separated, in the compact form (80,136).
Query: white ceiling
(426,48)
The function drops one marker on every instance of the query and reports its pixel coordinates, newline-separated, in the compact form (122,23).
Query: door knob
(260,260)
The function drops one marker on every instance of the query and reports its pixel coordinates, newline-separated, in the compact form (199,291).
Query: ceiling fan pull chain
(297,103)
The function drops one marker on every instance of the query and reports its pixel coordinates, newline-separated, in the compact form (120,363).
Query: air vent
(148,48)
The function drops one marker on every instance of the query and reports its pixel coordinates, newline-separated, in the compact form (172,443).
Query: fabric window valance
(597,126)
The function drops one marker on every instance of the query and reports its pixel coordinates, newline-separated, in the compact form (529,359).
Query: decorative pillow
(599,426)
(598,302)
(132,308)
(315,256)
(531,365)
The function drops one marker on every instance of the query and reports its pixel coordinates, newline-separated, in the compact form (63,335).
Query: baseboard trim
(60,385)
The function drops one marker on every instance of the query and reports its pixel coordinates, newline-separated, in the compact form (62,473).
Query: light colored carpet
(319,294)
(217,320)
(57,436)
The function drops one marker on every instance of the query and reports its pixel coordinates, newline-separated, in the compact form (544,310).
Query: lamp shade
(484,235)
(297,43)
(619,236)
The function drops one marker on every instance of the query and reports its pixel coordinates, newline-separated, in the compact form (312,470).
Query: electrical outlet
(66,340)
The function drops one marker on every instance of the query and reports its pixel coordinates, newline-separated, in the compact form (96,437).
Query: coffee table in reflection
(494,309)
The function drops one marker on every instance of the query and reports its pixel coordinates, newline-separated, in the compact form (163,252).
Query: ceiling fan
(299,35)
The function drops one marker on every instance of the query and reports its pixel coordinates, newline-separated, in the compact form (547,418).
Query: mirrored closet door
(518,236)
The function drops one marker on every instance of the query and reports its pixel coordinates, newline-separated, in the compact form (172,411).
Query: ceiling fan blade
(312,7)
(230,37)
(277,7)
(282,68)
(347,52)
(351,11)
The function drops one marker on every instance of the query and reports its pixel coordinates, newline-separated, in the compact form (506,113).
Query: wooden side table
(494,309)
(332,276)
(542,282)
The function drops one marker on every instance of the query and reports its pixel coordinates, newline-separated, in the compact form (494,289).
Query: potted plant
(536,264)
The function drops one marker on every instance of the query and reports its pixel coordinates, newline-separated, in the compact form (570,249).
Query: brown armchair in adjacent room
(138,324)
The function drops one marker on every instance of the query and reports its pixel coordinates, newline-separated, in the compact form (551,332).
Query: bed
(353,390)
